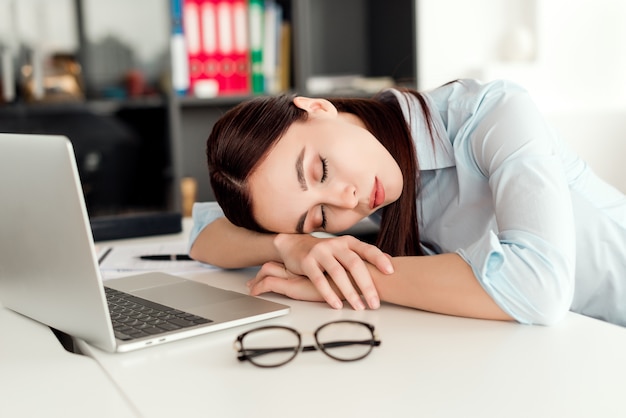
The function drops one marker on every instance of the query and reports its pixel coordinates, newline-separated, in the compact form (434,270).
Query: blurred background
(570,55)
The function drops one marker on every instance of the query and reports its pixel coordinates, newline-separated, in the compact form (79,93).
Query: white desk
(38,378)
(427,366)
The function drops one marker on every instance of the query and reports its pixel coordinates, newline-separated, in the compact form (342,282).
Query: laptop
(49,268)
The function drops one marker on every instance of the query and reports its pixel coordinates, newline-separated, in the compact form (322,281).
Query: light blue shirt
(542,233)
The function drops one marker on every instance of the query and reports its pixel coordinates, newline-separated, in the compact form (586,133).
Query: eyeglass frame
(243,356)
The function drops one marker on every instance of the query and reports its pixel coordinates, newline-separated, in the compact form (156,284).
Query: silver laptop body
(48,266)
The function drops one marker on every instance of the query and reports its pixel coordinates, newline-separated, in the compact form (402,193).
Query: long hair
(243,137)
(238,143)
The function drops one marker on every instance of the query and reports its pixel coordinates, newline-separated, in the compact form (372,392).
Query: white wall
(570,55)
(50,25)
(569,51)
(46,24)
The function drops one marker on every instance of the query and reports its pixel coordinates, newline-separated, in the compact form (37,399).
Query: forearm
(441,283)
(225,245)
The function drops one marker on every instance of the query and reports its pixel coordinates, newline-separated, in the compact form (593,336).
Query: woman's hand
(274,277)
(342,259)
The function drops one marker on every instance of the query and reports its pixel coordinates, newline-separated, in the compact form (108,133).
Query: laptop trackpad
(172,290)
(187,295)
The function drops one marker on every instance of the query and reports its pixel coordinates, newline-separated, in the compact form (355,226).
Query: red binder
(218,47)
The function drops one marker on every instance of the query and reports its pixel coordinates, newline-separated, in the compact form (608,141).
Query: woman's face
(325,174)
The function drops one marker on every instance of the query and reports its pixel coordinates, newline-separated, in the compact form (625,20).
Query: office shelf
(371,38)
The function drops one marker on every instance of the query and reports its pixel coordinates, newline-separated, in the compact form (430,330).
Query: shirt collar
(431,154)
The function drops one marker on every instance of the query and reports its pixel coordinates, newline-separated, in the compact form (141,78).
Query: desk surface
(38,378)
(428,365)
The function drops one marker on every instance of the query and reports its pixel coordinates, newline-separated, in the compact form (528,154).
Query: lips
(377,197)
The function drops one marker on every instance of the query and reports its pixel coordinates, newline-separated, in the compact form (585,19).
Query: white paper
(123,260)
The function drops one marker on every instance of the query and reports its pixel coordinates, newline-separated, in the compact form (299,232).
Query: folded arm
(222,244)
(342,259)
(441,283)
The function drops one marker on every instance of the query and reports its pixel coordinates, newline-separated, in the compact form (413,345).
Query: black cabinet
(122,149)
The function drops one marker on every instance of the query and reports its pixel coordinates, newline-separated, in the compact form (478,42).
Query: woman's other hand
(342,259)
(274,277)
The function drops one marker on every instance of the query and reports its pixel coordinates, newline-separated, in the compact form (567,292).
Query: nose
(344,196)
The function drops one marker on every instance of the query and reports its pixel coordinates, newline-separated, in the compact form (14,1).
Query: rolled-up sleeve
(527,263)
(525,276)
(203,213)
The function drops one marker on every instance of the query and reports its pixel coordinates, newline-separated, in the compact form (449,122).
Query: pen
(165,257)
(104,255)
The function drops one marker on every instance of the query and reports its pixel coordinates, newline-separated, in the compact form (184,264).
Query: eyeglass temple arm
(249,353)
(256,352)
(334,344)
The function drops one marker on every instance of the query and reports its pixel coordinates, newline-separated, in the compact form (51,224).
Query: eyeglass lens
(345,341)
(271,346)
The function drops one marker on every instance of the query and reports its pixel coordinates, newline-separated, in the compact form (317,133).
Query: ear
(315,107)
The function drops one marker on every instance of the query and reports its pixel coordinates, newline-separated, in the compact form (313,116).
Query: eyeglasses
(275,345)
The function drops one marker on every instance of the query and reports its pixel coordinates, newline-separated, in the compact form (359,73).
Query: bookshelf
(328,38)
(371,38)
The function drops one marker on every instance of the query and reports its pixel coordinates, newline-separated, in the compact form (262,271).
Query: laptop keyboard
(134,317)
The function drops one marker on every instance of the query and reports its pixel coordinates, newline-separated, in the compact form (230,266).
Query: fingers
(319,280)
(274,278)
(338,263)
(338,267)
(269,269)
(337,273)
(362,280)
(347,268)
(375,256)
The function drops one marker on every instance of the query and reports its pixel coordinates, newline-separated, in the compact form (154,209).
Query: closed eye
(324,169)
(323,224)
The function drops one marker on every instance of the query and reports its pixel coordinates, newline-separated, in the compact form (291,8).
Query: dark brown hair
(242,138)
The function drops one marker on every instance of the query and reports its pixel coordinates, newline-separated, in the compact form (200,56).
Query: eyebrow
(303,186)
(300,170)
